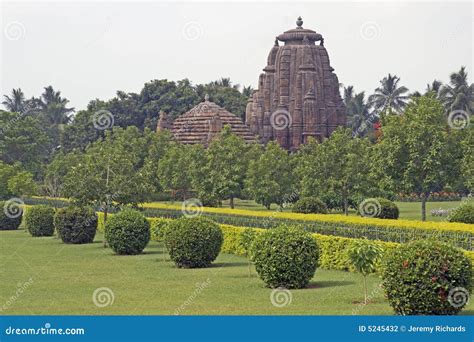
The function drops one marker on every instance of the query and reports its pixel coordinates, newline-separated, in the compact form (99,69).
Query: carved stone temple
(298,92)
(202,123)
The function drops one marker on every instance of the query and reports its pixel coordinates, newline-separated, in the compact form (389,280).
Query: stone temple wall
(298,93)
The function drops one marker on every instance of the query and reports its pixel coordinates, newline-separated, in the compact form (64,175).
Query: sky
(91,50)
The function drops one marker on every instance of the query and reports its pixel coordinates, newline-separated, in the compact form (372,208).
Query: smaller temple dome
(203,122)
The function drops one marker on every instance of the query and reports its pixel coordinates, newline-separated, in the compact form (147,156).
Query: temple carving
(298,92)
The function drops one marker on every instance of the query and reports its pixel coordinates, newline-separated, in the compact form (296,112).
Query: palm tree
(458,94)
(358,114)
(435,86)
(389,96)
(53,107)
(247,91)
(16,102)
(348,94)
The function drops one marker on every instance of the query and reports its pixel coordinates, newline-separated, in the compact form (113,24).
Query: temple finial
(299,22)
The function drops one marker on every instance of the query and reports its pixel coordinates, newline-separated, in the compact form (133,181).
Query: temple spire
(299,22)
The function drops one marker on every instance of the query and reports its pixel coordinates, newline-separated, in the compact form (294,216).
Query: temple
(298,92)
(202,123)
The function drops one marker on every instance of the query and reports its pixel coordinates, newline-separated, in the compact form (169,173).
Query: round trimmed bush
(127,232)
(310,205)
(193,242)
(427,278)
(285,257)
(39,220)
(464,213)
(76,225)
(379,208)
(10,215)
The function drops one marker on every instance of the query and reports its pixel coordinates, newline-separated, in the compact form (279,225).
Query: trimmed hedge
(9,222)
(464,213)
(285,257)
(310,205)
(127,232)
(76,225)
(427,278)
(388,209)
(193,242)
(39,220)
(399,231)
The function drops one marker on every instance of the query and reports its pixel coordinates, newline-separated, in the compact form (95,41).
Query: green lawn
(408,210)
(64,277)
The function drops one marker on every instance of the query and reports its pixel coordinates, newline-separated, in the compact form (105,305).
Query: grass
(408,210)
(64,278)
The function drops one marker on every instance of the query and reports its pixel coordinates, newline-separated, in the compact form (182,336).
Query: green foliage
(127,232)
(340,165)
(193,242)
(57,170)
(7,220)
(110,170)
(269,177)
(310,205)
(22,184)
(76,225)
(363,255)
(6,173)
(412,153)
(418,277)
(285,257)
(24,141)
(382,208)
(464,213)
(39,220)
(158,228)
(467,160)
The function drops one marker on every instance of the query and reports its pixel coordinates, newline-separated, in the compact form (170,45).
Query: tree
(110,171)
(16,102)
(363,254)
(339,165)
(23,140)
(269,178)
(22,184)
(226,165)
(57,170)
(6,173)
(389,96)
(467,161)
(458,94)
(411,154)
(175,169)
(358,114)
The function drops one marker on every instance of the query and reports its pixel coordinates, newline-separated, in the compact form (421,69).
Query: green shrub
(286,256)
(10,215)
(421,278)
(158,228)
(464,213)
(310,205)
(39,220)
(379,208)
(76,224)
(193,242)
(127,232)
